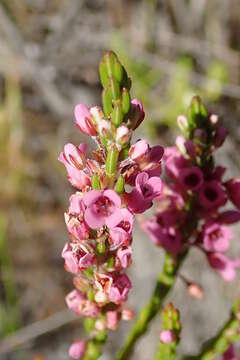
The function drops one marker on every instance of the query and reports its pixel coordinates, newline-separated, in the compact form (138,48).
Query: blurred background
(49,54)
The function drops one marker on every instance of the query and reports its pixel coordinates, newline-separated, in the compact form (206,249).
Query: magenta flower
(137,113)
(216,237)
(233,190)
(74,159)
(167,237)
(84,120)
(124,256)
(103,207)
(77,256)
(191,178)
(174,162)
(147,188)
(167,336)
(230,354)
(148,159)
(77,349)
(225,266)
(119,289)
(212,195)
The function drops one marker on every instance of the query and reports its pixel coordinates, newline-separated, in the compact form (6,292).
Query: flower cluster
(191,209)
(100,216)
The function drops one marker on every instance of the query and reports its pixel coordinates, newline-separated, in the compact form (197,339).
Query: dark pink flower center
(125,225)
(191,180)
(211,194)
(104,206)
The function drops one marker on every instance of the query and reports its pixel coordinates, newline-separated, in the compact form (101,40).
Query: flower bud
(105,129)
(77,349)
(182,123)
(167,336)
(84,120)
(220,136)
(127,314)
(137,113)
(123,135)
(233,189)
(195,291)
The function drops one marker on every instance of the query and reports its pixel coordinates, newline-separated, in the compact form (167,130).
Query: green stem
(227,335)
(164,284)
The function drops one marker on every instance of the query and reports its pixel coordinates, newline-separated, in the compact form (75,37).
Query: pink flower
(212,195)
(119,289)
(147,158)
(77,349)
(74,159)
(122,233)
(230,354)
(216,237)
(74,300)
(137,113)
(140,199)
(167,237)
(225,266)
(167,336)
(78,257)
(103,208)
(77,302)
(124,255)
(233,189)
(74,219)
(191,178)
(113,318)
(174,162)
(84,120)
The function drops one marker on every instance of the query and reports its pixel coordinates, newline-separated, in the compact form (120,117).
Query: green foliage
(178,90)
(9,310)
(170,322)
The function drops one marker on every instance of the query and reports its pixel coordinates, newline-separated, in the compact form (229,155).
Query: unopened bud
(105,129)
(182,123)
(167,336)
(128,314)
(195,291)
(123,135)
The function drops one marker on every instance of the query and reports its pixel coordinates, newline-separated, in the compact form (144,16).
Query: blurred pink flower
(191,178)
(212,195)
(216,237)
(113,318)
(137,113)
(78,256)
(225,266)
(77,349)
(119,289)
(167,336)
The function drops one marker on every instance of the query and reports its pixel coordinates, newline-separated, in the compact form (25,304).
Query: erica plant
(100,216)
(121,179)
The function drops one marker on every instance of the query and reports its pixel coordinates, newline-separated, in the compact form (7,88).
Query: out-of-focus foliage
(179,90)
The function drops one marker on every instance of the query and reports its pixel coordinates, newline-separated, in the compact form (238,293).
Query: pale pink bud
(105,129)
(127,314)
(214,119)
(100,325)
(123,135)
(84,120)
(113,318)
(195,291)
(180,143)
(139,150)
(77,349)
(167,336)
(97,114)
(182,123)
